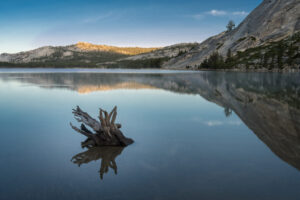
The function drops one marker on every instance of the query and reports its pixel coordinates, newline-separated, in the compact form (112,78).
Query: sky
(29,24)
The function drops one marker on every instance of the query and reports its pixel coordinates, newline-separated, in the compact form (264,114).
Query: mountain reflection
(107,155)
(126,85)
(268,103)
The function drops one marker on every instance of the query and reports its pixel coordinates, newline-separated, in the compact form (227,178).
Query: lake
(200,135)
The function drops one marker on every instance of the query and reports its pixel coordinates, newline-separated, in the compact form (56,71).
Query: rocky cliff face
(172,51)
(272,20)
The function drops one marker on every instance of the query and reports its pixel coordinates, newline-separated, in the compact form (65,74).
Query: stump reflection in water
(106,154)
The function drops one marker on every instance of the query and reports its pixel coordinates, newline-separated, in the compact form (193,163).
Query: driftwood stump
(106,132)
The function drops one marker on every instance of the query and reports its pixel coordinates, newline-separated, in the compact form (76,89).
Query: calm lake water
(204,135)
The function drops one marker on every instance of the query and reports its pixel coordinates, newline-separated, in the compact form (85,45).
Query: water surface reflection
(107,155)
(198,136)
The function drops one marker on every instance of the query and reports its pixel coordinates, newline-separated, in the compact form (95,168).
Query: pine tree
(230,26)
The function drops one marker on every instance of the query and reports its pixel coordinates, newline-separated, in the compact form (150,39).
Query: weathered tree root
(106,132)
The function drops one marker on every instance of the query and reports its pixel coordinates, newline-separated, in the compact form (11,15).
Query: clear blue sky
(28,24)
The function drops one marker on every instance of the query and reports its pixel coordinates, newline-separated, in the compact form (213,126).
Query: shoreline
(94,70)
(252,70)
(130,70)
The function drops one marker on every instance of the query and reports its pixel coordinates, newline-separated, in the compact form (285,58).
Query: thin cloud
(97,18)
(111,15)
(198,16)
(237,123)
(212,123)
(217,13)
(240,13)
(220,13)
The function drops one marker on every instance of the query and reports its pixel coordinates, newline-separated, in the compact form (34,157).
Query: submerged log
(105,132)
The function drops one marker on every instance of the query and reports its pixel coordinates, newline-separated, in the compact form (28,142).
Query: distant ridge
(82,54)
(122,50)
